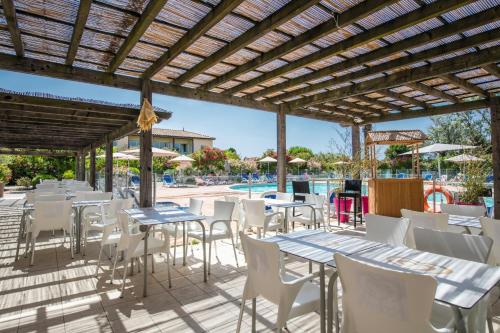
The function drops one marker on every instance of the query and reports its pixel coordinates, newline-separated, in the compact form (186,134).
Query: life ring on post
(446,193)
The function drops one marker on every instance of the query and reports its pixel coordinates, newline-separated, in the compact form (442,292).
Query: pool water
(319,188)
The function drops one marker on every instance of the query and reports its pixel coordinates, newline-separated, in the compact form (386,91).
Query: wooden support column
(108,167)
(366,129)
(146,154)
(77,166)
(82,166)
(495,147)
(281,148)
(92,179)
(356,150)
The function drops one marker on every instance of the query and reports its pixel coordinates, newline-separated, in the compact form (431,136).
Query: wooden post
(495,147)
(356,150)
(77,166)
(108,167)
(281,148)
(82,166)
(92,179)
(146,154)
(366,129)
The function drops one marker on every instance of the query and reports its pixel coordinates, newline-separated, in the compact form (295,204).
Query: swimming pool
(319,188)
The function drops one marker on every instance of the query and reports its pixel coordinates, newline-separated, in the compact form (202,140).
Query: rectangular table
(461,283)
(290,204)
(466,222)
(149,217)
(319,247)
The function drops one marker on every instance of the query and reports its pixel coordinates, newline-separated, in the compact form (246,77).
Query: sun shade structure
(409,137)
(268,159)
(440,148)
(37,121)
(182,158)
(346,62)
(297,160)
(464,158)
(157,152)
(121,157)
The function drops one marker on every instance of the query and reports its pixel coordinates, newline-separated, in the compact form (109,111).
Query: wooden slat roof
(345,61)
(35,120)
(395,137)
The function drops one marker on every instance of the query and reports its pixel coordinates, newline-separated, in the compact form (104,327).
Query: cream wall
(198,144)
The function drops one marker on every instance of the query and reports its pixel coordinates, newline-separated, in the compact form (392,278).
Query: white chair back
(51,215)
(46,186)
(464,210)
(284,196)
(195,206)
(236,210)
(390,301)
(263,268)
(385,229)
(110,212)
(128,240)
(491,228)
(97,195)
(254,212)
(223,210)
(423,220)
(451,244)
(82,195)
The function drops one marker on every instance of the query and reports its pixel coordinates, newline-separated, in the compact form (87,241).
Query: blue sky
(249,131)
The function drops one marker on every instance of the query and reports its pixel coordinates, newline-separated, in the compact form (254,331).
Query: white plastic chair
(256,216)
(49,216)
(307,215)
(491,228)
(49,197)
(462,246)
(103,215)
(195,206)
(219,228)
(237,216)
(385,229)
(424,220)
(380,300)
(132,243)
(294,296)
(464,210)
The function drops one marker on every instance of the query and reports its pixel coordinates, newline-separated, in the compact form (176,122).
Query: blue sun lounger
(168,180)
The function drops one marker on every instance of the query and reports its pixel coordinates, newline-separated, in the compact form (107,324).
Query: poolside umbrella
(437,148)
(182,158)
(157,152)
(464,158)
(268,160)
(298,161)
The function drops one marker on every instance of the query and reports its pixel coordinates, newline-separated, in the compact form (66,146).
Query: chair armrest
(300,280)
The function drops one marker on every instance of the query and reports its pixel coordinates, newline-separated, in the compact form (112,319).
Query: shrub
(135,171)
(39,177)
(5,173)
(24,182)
(68,174)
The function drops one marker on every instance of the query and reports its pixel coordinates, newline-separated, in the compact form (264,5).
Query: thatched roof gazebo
(346,62)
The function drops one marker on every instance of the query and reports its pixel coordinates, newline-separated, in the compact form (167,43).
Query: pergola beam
(9,11)
(81,20)
(402,97)
(382,104)
(393,64)
(417,16)
(29,145)
(430,111)
(464,84)
(361,108)
(145,20)
(446,66)
(205,24)
(342,20)
(290,10)
(32,152)
(492,69)
(428,90)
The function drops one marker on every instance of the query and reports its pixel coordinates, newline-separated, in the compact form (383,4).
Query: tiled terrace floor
(59,294)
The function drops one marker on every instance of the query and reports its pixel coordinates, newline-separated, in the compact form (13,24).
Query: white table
(461,283)
(290,204)
(319,247)
(149,217)
(466,222)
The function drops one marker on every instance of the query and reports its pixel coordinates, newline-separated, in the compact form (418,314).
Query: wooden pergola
(46,125)
(341,61)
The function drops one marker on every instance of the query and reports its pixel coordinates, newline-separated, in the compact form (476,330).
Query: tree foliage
(209,159)
(301,152)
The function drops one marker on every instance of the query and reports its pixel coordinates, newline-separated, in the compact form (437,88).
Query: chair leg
(175,244)
(234,250)
(240,317)
(254,314)
(152,263)
(490,324)
(138,265)
(32,251)
(98,261)
(71,245)
(124,277)
(209,255)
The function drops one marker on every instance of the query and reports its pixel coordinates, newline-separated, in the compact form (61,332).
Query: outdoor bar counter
(388,196)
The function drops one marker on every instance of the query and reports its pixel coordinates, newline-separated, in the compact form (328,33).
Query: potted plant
(474,184)
(5,175)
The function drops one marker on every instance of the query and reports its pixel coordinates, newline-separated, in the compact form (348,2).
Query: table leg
(184,246)
(78,222)
(20,234)
(145,270)
(355,211)
(459,320)
(285,226)
(332,304)
(204,251)
(322,300)
(467,230)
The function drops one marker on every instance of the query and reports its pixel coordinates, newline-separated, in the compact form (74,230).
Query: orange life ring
(447,194)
